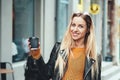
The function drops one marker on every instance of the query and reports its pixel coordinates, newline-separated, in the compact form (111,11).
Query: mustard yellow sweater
(76,64)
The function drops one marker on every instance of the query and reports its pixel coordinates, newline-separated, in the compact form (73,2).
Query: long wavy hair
(89,43)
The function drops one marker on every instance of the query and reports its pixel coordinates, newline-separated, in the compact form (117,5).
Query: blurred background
(48,20)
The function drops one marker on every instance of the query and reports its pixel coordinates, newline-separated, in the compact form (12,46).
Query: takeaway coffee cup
(34,42)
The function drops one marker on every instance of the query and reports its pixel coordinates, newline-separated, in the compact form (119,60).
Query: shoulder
(58,43)
(55,48)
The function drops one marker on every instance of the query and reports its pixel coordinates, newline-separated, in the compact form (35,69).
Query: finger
(29,46)
(38,44)
(28,40)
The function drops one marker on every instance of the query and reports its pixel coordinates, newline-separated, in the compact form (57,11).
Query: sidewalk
(110,72)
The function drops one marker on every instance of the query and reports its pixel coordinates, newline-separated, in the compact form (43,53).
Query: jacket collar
(88,65)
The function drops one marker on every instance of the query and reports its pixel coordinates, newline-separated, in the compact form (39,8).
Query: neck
(79,43)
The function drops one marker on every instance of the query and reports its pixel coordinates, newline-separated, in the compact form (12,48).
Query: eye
(73,25)
(80,26)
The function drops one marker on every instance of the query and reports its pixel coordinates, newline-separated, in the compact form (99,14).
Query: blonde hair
(89,42)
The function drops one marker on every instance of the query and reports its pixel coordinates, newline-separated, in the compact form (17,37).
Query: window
(62,18)
(23,22)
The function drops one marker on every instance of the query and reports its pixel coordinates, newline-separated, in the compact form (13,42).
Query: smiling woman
(75,58)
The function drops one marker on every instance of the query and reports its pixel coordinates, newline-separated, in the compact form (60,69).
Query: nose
(75,28)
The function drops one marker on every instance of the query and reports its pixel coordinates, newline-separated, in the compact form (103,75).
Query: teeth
(75,34)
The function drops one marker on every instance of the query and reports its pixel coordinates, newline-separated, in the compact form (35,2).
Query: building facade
(48,20)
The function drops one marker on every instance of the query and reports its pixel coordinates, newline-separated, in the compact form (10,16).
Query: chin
(75,39)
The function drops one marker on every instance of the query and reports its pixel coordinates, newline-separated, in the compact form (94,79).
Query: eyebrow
(79,24)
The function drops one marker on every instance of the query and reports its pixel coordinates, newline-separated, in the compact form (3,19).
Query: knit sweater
(76,64)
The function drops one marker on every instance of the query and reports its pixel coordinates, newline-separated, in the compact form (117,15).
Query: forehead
(78,20)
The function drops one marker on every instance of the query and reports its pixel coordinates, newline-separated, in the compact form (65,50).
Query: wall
(45,30)
(117,24)
(49,27)
(6,30)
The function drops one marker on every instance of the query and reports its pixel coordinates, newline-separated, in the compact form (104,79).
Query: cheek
(71,28)
(83,32)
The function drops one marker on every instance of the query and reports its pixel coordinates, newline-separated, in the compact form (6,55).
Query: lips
(75,34)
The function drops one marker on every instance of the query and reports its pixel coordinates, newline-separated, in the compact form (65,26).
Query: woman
(75,58)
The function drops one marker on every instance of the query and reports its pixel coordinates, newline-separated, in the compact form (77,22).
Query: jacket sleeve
(44,70)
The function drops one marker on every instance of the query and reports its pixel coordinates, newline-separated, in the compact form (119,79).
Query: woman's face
(78,28)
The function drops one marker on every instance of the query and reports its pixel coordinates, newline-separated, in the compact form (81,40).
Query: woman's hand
(35,53)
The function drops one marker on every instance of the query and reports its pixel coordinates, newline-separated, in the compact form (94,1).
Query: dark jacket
(39,70)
